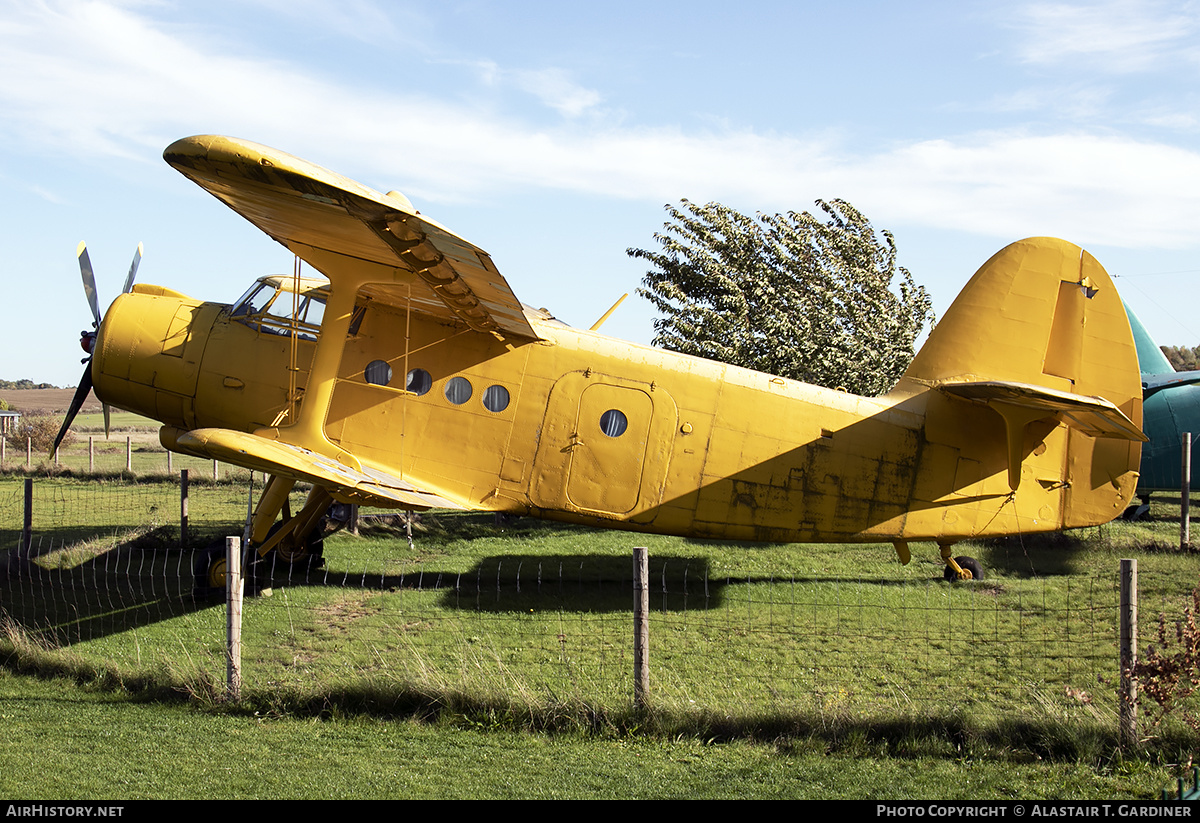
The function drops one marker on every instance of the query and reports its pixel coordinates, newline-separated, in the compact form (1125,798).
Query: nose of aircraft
(148,352)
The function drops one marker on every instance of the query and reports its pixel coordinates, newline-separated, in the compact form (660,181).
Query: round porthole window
(458,390)
(419,382)
(378,373)
(495,398)
(614,423)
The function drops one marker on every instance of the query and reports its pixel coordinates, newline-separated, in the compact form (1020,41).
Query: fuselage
(577,426)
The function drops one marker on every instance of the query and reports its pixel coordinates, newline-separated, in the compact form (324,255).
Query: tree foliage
(25,383)
(1182,358)
(787,294)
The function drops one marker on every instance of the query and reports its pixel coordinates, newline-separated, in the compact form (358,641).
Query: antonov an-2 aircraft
(414,378)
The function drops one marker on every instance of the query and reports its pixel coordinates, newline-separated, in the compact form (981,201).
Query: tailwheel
(972,569)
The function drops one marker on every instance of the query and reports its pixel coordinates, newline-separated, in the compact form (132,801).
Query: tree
(786,294)
(1181,357)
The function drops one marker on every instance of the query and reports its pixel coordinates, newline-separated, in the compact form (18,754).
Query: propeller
(87,338)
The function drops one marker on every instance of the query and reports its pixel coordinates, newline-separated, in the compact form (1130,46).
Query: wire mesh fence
(544,614)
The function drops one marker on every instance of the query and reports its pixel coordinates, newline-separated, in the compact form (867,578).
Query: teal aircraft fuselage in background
(1170,407)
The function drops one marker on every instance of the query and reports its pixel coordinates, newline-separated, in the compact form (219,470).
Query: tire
(1137,512)
(969,564)
(309,556)
(208,570)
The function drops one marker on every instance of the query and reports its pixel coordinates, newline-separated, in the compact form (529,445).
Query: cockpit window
(273,310)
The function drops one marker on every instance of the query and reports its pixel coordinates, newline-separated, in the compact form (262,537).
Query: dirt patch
(342,613)
(47,401)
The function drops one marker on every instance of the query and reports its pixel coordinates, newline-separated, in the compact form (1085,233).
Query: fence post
(1127,693)
(168,461)
(1185,493)
(641,628)
(233,613)
(29,452)
(183,507)
(216,476)
(128,453)
(27,527)
(91,454)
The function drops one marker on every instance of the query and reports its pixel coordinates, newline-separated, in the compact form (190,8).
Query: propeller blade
(89,281)
(81,393)
(137,259)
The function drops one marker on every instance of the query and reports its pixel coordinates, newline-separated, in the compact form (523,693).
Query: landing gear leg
(296,541)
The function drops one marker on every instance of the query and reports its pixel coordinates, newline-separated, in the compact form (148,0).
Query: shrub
(1169,672)
(41,431)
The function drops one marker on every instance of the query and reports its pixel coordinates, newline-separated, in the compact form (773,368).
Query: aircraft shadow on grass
(60,592)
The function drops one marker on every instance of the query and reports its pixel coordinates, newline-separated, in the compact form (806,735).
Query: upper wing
(333,222)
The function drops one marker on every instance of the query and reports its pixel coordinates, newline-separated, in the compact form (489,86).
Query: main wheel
(968,564)
(309,554)
(209,570)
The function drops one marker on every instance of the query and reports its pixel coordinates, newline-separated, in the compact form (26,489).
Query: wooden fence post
(233,613)
(91,454)
(216,475)
(641,628)
(1127,693)
(27,527)
(29,452)
(183,507)
(128,453)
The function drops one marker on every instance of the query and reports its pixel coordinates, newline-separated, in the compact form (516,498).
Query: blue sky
(551,134)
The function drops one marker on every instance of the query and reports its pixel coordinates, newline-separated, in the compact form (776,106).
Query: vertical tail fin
(1043,312)
(1040,336)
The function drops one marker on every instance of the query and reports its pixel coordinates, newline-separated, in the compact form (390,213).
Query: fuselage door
(595,453)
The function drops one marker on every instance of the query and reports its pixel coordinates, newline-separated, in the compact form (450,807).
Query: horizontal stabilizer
(1152,384)
(368,487)
(1020,404)
(1091,415)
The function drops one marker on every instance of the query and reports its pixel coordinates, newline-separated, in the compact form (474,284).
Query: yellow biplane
(413,378)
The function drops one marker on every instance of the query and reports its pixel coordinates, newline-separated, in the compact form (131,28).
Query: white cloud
(555,89)
(1116,36)
(1093,189)
(100,80)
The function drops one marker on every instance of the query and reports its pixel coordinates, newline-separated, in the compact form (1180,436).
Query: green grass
(67,742)
(834,663)
(131,448)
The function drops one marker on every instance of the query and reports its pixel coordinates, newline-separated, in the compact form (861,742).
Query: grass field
(787,670)
(131,445)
